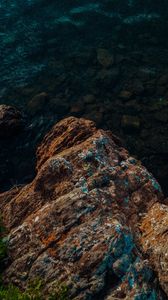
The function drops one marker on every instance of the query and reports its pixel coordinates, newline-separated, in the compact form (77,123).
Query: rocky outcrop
(155,241)
(82,219)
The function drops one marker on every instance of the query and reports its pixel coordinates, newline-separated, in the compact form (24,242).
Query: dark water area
(103,60)
(34,33)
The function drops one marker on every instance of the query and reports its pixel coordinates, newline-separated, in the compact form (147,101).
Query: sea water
(33,33)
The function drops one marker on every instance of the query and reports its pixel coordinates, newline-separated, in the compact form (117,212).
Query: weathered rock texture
(84,219)
(155,240)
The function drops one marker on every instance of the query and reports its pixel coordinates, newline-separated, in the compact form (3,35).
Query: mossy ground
(34,290)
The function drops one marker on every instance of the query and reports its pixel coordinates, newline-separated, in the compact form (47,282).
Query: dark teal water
(33,32)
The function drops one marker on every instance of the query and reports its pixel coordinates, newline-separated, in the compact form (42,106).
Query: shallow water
(33,32)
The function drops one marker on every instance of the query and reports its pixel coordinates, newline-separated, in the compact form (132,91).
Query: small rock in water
(126,95)
(105,58)
(130,122)
(11,121)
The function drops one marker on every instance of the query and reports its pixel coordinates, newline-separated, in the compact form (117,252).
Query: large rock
(155,241)
(11,121)
(79,221)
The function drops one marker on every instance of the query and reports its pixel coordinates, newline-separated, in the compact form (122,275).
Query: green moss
(12,293)
(35,288)
(60,292)
(34,292)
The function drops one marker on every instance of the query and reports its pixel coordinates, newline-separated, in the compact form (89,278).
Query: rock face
(155,240)
(83,219)
(11,121)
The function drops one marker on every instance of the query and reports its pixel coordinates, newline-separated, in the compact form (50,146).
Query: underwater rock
(107,78)
(104,57)
(77,108)
(79,220)
(125,95)
(163,80)
(89,99)
(59,105)
(129,122)
(162,115)
(11,121)
(136,87)
(37,103)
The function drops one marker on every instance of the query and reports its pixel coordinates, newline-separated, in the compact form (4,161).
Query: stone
(136,86)
(77,108)
(59,105)
(130,122)
(154,241)
(125,95)
(159,104)
(11,121)
(163,80)
(37,103)
(80,220)
(161,115)
(108,77)
(105,58)
(150,87)
(132,106)
(89,98)
(161,90)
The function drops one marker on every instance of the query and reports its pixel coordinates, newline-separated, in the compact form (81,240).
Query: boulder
(11,121)
(80,220)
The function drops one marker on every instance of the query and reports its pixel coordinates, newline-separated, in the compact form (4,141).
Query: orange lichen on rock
(154,240)
(80,218)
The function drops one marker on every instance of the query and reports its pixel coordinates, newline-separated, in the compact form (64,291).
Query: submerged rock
(11,121)
(130,122)
(37,103)
(126,95)
(104,58)
(80,220)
